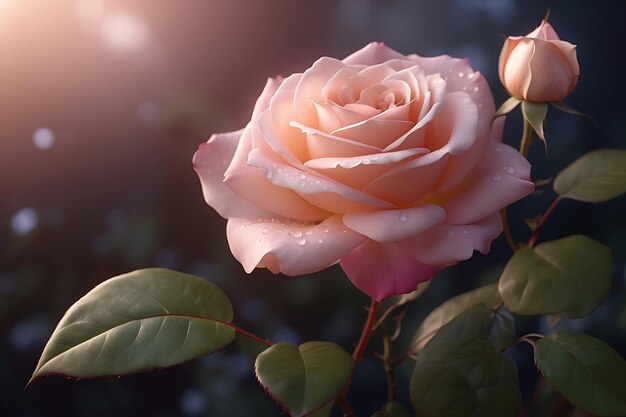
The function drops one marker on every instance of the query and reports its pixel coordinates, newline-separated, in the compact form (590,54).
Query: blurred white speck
(193,402)
(30,333)
(43,138)
(124,32)
(24,221)
(147,112)
(89,10)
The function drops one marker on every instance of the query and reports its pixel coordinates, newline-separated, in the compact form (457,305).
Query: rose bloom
(385,163)
(539,66)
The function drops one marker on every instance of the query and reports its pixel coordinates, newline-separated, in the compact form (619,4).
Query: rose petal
(382,270)
(552,76)
(374,132)
(210,162)
(501,177)
(322,192)
(447,244)
(290,247)
(372,54)
(393,225)
(250,183)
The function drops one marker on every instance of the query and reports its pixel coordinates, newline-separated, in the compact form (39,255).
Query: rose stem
(527,135)
(506,231)
(357,356)
(388,363)
(542,220)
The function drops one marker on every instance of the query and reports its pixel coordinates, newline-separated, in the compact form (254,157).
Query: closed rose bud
(539,66)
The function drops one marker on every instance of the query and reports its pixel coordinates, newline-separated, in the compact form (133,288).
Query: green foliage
(585,370)
(146,319)
(451,308)
(569,276)
(304,378)
(460,373)
(392,409)
(594,177)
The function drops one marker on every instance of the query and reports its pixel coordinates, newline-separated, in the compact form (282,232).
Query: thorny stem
(506,231)
(388,363)
(542,220)
(527,135)
(357,356)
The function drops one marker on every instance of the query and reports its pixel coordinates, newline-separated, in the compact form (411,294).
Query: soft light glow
(43,138)
(124,32)
(88,10)
(24,221)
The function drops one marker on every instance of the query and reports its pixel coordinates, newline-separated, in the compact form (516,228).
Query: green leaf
(535,114)
(595,177)
(585,370)
(569,276)
(459,373)
(508,106)
(303,378)
(146,319)
(391,304)
(451,308)
(392,409)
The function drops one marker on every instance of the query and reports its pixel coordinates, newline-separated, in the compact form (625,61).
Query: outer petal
(292,248)
(383,270)
(210,162)
(394,225)
(501,177)
(552,77)
(372,54)
(447,244)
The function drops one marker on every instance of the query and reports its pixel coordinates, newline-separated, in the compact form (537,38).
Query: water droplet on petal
(296,233)
(243,226)
(496,178)
(301,241)
(324,229)
(461,74)
(308,233)
(465,232)
(509,169)
(403,217)
(265,230)
(302,183)
(320,241)
(476,89)
(269,175)
(302,176)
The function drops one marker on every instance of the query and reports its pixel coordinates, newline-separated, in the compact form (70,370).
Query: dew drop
(308,233)
(461,74)
(403,217)
(476,89)
(269,175)
(301,241)
(302,176)
(320,241)
(324,229)
(496,178)
(296,233)
(265,230)
(465,232)
(366,161)
(302,183)
(280,170)
(509,169)
(243,226)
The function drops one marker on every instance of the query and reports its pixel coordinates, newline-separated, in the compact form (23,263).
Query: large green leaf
(585,370)
(569,276)
(146,319)
(451,308)
(303,378)
(459,373)
(594,177)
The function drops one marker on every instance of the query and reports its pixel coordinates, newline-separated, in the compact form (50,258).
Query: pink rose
(382,162)
(539,66)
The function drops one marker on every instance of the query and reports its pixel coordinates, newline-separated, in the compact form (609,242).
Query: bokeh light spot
(124,32)
(24,221)
(43,138)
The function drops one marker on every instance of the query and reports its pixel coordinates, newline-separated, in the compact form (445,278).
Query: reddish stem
(357,356)
(542,220)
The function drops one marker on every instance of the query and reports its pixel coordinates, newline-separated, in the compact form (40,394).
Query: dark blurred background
(102,105)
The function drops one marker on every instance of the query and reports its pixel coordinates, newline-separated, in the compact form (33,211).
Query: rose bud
(539,66)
